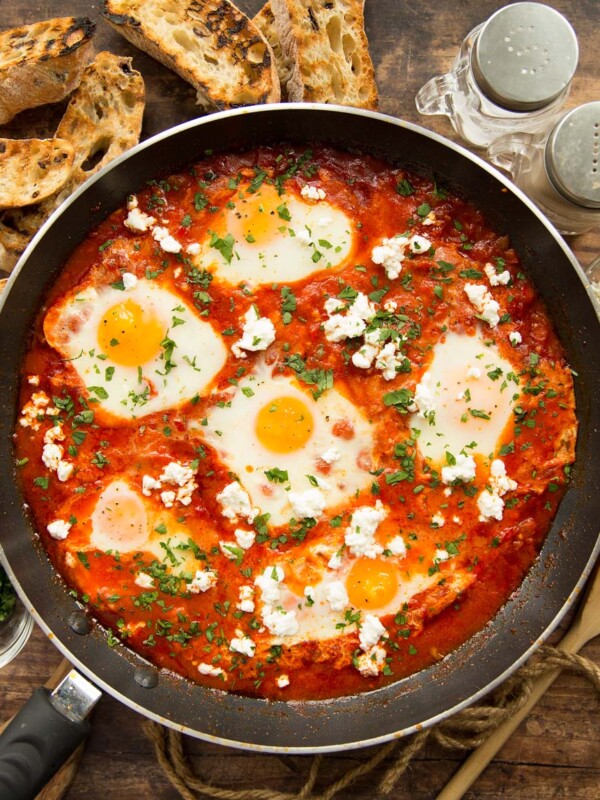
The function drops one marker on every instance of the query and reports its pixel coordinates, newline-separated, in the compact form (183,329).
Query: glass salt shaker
(559,170)
(512,73)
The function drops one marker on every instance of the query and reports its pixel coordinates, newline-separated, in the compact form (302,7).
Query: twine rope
(465,730)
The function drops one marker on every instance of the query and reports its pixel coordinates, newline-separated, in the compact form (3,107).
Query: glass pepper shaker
(512,73)
(560,169)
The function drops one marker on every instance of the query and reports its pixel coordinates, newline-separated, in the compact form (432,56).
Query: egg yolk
(371,583)
(257,218)
(129,335)
(303,571)
(284,425)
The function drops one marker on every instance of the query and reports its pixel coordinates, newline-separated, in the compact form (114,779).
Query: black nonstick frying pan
(487,658)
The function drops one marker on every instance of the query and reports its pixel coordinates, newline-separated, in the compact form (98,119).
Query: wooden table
(556,752)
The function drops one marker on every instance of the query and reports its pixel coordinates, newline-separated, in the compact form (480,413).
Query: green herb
(8,597)
(404,188)
(224,245)
(277,475)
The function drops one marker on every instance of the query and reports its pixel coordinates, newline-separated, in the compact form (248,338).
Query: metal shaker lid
(572,155)
(524,56)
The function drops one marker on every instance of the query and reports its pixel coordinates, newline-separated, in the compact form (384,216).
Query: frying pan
(483,661)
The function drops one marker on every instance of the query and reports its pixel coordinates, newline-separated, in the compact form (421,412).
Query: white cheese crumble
(309,593)
(208,669)
(369,663)
(144,581)
(331,456)
(496,278)
(282,681)
(279,622)
(390,254)
(64,470)
(335,562)
(397,546)
(138,221)
(441,555)
(268,583)
(438,520)
(499,480)
(387,360)
(257,334)
(423,401)
(312,192)
(352,322)
(51,456)
(491,504)
(129,280)
(360,534)
(474,372)
(246,602)
(463,470)
(419,244)
(364,357)
(33,380)
(203,580)
(36,407)
(168,498)
(244,538)
(193,248)
(167,242)
(336,595)
(484,303)
(236,502)
(515,338)
(242,644)
(59,529)
(310,503)
(371,631)
(175,474)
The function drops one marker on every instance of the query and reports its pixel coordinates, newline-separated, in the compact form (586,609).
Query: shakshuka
(294,423)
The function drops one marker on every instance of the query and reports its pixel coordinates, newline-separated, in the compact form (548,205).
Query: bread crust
(42,63)
(265,22)
(326,43)
(209,43)
(33,169)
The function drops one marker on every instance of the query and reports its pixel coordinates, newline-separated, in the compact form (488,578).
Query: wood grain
(556,752)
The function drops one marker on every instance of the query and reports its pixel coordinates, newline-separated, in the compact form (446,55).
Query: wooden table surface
(556,752)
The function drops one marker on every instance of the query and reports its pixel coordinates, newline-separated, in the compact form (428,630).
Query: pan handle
(43,735)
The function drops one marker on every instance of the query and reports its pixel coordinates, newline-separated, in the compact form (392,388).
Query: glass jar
(16,623)
(512,73)
(559,170)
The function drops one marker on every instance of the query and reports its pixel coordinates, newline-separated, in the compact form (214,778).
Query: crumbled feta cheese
(390,254)
(387,361)
(496,278)
(168,498)
(193,248)
(36,407)
(336,595)
(307,504)
(474,372)
(491,506)
(144,581)
(335,562)
(483,302)
(59,529)
(499,480)
(129,280)
(423,401)
(244,538)
(33,380)
(371,631)
(397,546)
(52,455)
(54,434)
(282,681)
(64,470)
(148,484)
(279,622)
(312,192)
(419,244)
(438,520)
(369,664)
(430,219)
(331,455)
(352,322)
(333,305)
(456,520)
(268,583)
(441,555)
(236,502)
(463,470)
(309,593)
(390,306)
(304,237)
(138,221)
(203,580)
(208,669)
(176,473)
(165,240)
(360,534)
(243,645)
(246,603)
(257,334)
(515,338)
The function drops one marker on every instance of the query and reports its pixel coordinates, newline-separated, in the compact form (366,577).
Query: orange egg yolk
(284,425)
(257,218)
(129,335)
(302,572)
(371,583)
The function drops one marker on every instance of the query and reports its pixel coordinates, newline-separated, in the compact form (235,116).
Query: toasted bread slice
(42,63)
(326,43)
(265,22)
(33,169)
(209,43)
(103,120)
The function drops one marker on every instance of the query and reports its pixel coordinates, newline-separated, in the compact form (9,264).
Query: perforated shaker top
(525,56)
(573,155)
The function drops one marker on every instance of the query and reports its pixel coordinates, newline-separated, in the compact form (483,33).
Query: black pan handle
(41,737)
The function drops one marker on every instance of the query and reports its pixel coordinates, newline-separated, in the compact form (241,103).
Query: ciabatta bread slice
(42,63)
(103,120)
(265,22)
(33,169)
(209,43)
(326,43)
